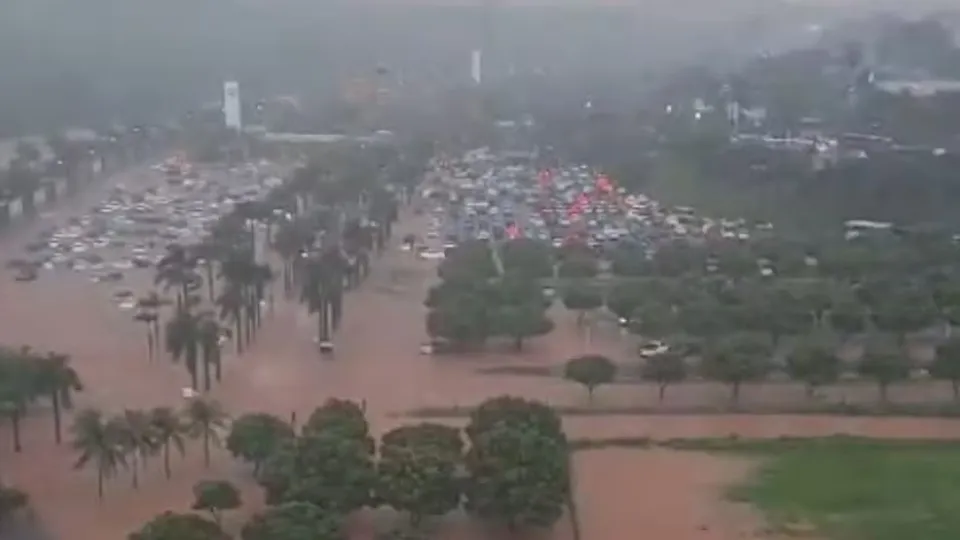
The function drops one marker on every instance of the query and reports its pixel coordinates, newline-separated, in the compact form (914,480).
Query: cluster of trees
(73,158)
(27,376)
(480,297)
(129,440)
(510,471)
(737,311)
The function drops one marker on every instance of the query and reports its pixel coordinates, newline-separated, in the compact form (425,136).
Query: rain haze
(479,270)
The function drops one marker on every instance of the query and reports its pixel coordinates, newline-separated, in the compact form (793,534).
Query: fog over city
(479,269)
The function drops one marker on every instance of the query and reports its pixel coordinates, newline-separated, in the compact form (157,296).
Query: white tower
(476,64)
(231,105)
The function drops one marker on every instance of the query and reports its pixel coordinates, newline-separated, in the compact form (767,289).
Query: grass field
(849,489)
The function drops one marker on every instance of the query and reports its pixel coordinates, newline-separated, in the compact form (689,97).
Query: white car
(653,348)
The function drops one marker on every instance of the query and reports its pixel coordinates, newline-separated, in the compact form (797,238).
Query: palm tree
(323,291)
(168,430)
(209,342)
(18,387)
(177,269)
(97,442)
(183,341)
(136,436)
(207,253)
(149,319)
(231,302)
(152,303)
(205,419)
(58,381)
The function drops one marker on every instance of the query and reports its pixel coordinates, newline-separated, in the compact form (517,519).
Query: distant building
(921,88)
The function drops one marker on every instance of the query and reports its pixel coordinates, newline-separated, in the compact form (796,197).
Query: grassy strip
(919,410)
(841,487)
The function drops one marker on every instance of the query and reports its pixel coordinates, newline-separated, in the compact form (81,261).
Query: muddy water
(377,361)
(660,494)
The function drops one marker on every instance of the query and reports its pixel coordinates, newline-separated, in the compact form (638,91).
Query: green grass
(840,488)
(856,489)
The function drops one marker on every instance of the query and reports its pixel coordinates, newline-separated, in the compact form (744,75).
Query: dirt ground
(623,494)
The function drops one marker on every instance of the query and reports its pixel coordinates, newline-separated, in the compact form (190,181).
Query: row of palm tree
(129,440)
(28,376)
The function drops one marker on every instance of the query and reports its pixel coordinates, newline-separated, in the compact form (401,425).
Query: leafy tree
(525,414)
(653,320)
(255,436)
(847,317)
(520,322)
(206,420)
(293,521)
(815,363)
(168,430)
(578,267)
(441,437)
(704,316)
(419,479)
(332,471)
(624,300)
(885,365)
(278,471)
(531,257)
(738,358)
(664,369)
(946,365)
(582,298)
(215,496)
(590,370)
(173,526)
(98,443)
(902,316)
(342,417)
(518,478)
(464,323)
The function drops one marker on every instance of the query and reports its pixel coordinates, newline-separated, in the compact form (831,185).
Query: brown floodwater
(623,494)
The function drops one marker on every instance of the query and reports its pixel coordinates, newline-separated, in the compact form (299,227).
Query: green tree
(518,478)
(206,420)
(520,322)
(183,340)
(440,437)
(169,431)
(884,364)
(815,363)
(946,365)
(419,479)
(97,443)
(664,369)
(580,266)
(738,358)
(293,521)
(215,496)
(136,436)
(525,414)
(582,298)
(57,380)
(343,417)
(590,370)
(255,436)
(173,526)
(332,471)
(624,299)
